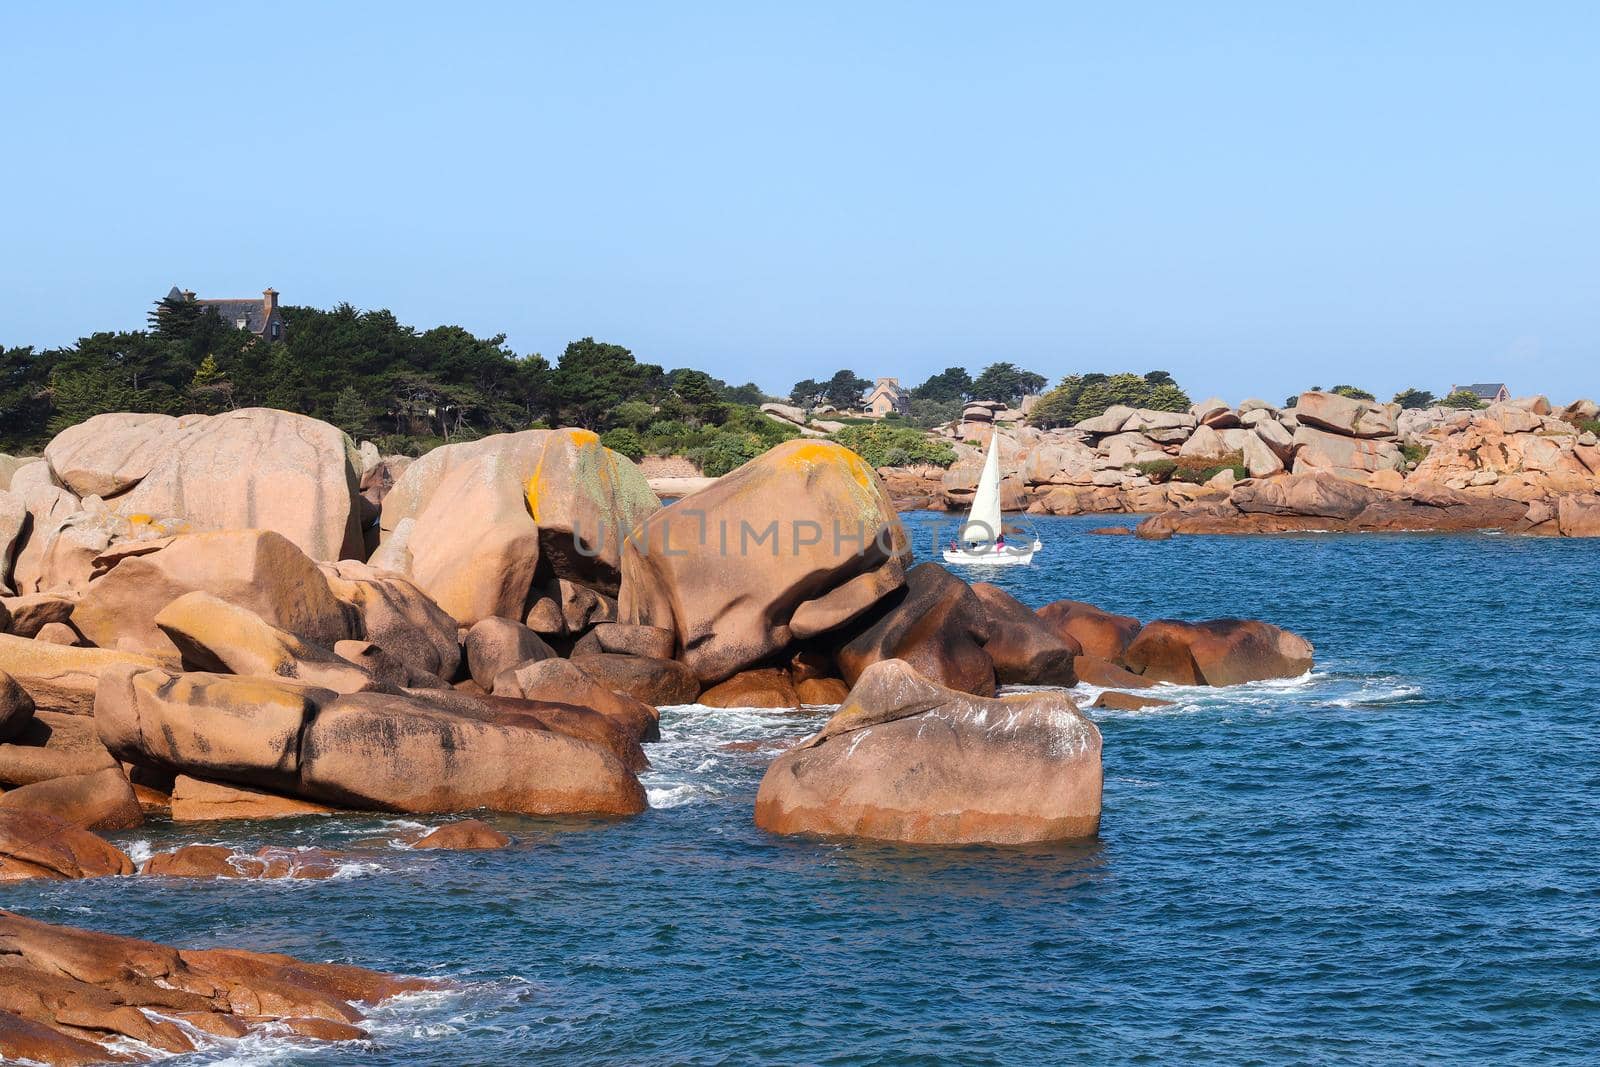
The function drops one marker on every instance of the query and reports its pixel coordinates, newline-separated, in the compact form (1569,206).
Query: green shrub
(1200,470)
(624,440)
(1157,470)
(1463,400)
(1588,426)
(1085,396)
(1414,453)
(724,451)
(885,445)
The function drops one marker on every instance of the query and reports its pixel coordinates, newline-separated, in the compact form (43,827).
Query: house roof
(1483,390)
(249,314)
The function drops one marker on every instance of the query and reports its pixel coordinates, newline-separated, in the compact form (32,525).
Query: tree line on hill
(937,400)
(407,390)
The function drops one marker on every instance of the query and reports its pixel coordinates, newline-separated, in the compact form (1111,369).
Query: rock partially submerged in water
(70,996)
(467,835)
(906,759)
(1220,652)
(34,844)
(217,861)
(1119,653)
(766,687)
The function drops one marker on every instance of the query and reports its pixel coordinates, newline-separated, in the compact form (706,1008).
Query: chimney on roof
(188,294)
(269,301)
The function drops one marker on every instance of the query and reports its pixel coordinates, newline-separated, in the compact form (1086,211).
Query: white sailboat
(982,538)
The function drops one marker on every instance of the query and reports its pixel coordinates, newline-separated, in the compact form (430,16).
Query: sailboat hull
(989,556)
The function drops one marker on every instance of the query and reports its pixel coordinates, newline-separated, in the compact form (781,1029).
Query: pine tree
(351,414)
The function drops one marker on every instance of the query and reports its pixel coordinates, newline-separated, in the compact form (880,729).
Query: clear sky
(1256,197)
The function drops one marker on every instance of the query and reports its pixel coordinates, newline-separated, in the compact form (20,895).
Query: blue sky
(1256,197)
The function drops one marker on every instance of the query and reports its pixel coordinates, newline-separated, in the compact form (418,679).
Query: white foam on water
(673,797)
(693,762)
(416,1016)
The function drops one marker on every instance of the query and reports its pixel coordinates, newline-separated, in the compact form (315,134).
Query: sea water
(1392,859)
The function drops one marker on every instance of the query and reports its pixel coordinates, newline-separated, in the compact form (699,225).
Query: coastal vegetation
(1086,396)
(1414,399)
(888,445)
(1464,400)
(1192,469)
(374,377)
(938,399)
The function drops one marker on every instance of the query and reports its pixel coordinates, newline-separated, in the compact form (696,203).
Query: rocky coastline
(247,616)
(1328,463)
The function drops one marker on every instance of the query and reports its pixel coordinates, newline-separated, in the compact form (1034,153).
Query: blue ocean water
(1391,860)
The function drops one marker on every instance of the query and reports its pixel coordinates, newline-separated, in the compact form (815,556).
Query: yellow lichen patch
(597,473)
(140,519)
(815,453)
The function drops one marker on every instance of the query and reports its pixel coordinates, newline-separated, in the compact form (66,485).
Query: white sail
(983,522)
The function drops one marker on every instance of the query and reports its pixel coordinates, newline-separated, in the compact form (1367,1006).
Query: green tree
(726,451)
(702,395)
(351,414)
(1007,382)
(749,393)
(1352,392)
(844,389)
(25,401)
(210,391)
(1462,400)
(634,414)
(1412,399)
(953,384)
(887,445)
(592,378)
(807,393)
(1085,396)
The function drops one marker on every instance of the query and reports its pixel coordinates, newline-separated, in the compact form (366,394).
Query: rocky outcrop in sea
(248,617)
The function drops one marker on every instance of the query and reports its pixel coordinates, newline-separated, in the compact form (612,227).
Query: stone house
(885,397)
(261,317)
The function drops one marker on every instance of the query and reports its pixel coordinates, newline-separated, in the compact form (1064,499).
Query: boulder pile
(526,607)
(1516,466)
(1520,465)
(1118,652)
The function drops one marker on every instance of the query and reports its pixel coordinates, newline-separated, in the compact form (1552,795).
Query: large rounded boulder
(798,542)
(474,524)
(256,468)
(906,759)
